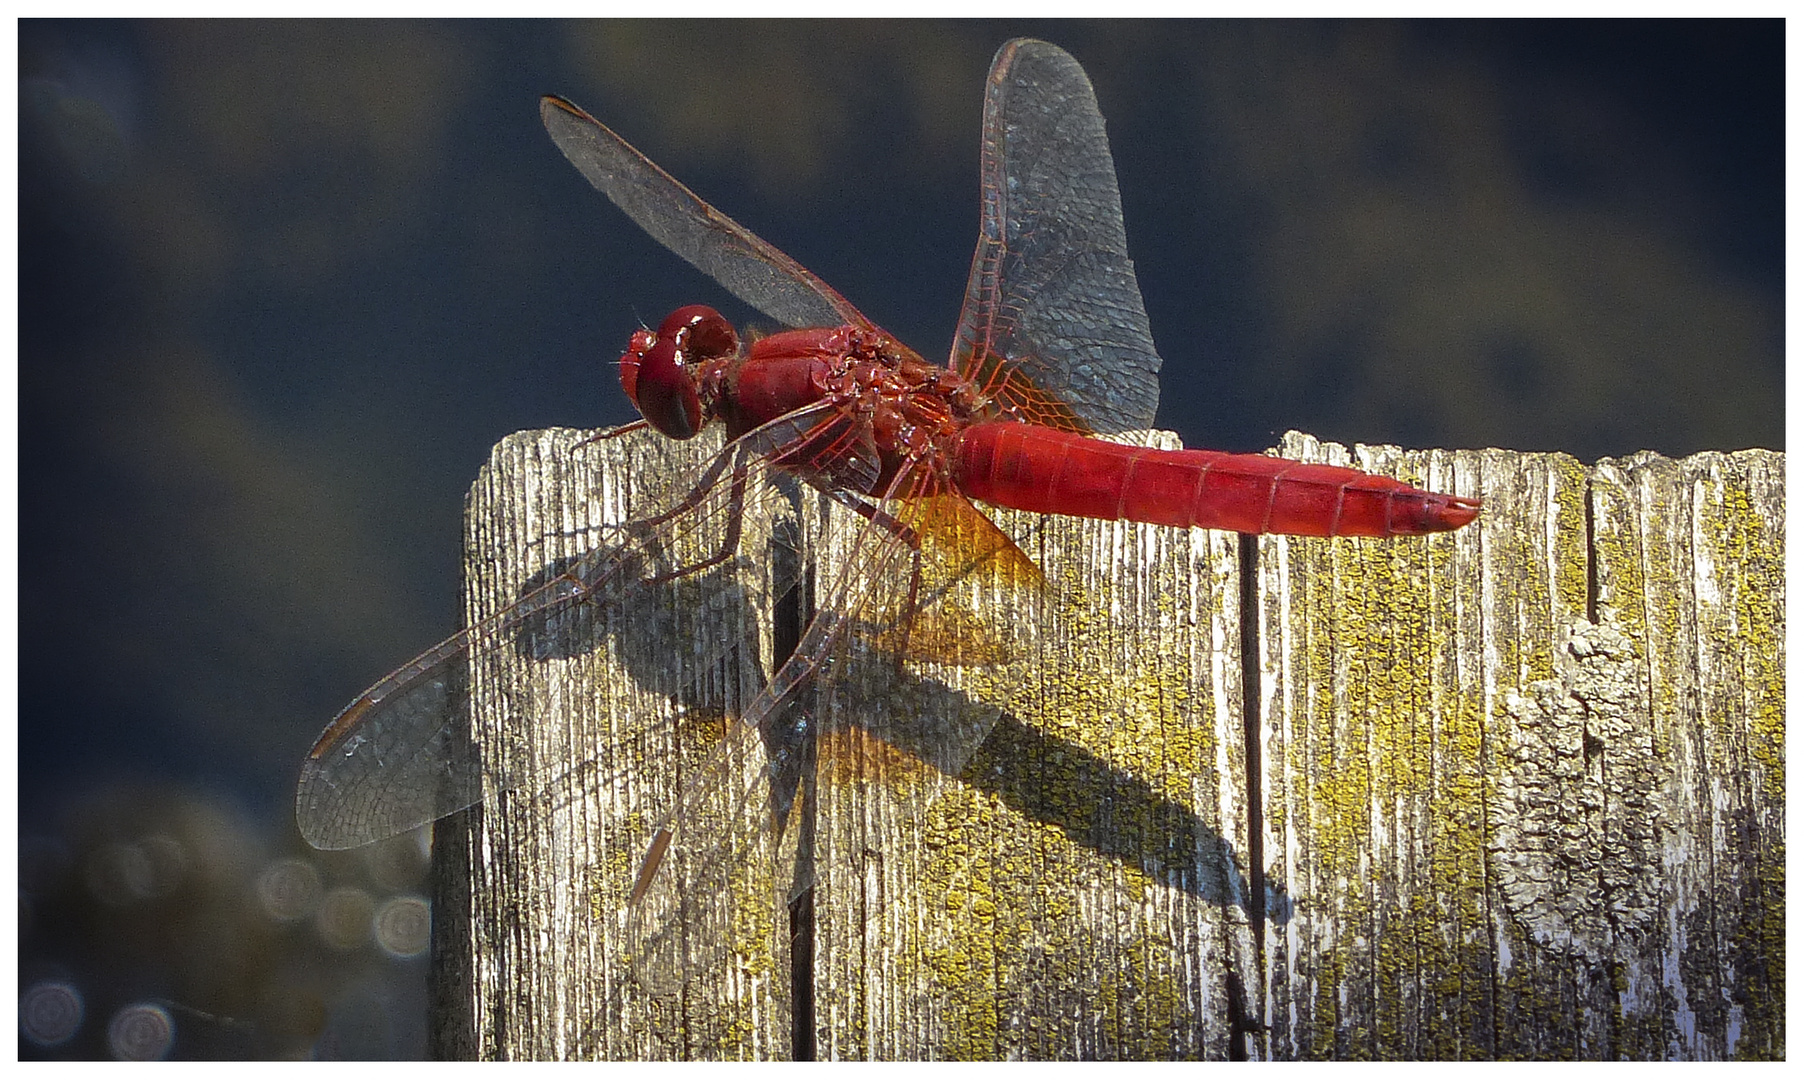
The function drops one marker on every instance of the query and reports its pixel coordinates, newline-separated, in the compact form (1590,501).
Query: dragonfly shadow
(1116,814)
(1095,803)
(689,640)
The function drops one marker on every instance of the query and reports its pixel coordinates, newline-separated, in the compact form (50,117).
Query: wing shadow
(1054,781)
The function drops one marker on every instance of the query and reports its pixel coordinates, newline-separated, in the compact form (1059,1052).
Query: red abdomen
(1027,467)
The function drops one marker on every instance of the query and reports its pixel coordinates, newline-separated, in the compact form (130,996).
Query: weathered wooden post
(1527,788)
(1514,791)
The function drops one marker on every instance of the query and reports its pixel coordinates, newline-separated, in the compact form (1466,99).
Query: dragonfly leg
(728,545)
(697,493)
(611,433)
(889,523)
(898,528)
(914,600)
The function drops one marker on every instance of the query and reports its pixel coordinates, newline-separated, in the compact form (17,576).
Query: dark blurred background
(282,285)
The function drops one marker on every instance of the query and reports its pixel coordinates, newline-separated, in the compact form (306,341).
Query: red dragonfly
(1052,349)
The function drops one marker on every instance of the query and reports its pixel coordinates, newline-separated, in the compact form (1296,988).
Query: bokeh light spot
(404,926)
(50,1013)
(141,1033)
(289,889)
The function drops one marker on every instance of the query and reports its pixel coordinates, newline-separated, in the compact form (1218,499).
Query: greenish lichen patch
(1073,875)
(1745,546)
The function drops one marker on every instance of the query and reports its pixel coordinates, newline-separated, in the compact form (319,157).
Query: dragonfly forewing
(749,267)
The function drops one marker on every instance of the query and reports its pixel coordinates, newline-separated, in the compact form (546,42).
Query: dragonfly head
(659,371)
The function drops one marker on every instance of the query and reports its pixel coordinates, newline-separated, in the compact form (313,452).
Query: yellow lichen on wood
(1491,826)
(1373,829)
(1742,525)
(1096,792)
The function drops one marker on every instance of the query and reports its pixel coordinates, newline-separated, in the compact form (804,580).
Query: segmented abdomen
(1027,467)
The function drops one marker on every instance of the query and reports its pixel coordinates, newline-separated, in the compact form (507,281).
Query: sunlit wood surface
(1515,791)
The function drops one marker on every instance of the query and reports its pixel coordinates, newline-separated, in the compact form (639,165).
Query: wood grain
(1527,779)
(1517,791)
(1076,890)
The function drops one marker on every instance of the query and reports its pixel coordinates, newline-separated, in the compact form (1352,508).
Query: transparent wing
(1053,323)
(712,242)
(897,617)
(400,755)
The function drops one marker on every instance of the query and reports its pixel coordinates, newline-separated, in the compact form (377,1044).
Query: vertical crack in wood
(790,614)
(1244,1020)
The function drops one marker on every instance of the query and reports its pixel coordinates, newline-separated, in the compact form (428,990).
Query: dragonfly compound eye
(655,371)
(636,348)
(701,332)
